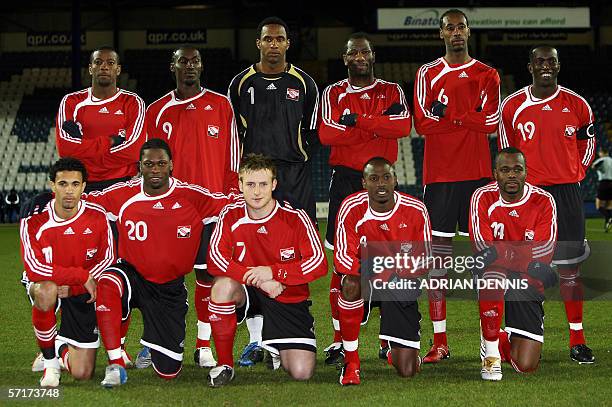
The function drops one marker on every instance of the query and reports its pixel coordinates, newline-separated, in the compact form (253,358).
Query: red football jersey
(358,224)
(203,138)
(122,114)
(531,219)
(286,240)
(374,135)
(66,251)
(545,131)
(160,235)
(456,145)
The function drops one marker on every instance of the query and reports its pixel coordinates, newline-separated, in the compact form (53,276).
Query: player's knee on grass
(300,364)
(45,295)
(351,288)
(81,371)
(525,364)
(225,289)
(525,354)
(165,367)
(82,362)
(404,361)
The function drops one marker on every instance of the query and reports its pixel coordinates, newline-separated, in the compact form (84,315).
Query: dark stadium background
(35,72)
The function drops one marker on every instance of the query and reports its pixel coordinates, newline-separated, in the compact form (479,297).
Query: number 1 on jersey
(251,91)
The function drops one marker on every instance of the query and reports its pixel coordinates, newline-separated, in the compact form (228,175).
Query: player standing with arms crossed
(553,126)
(456,106)
(102,125)
(276,106)
(200,128)
(362,117)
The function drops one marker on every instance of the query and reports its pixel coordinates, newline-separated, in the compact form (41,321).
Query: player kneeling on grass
(514,229)
(65,247)
(160,221)
(264,253)
(379,214)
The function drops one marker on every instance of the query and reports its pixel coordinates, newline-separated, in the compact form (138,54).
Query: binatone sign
(490,17)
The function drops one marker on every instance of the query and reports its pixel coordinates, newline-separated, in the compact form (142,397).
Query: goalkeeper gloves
(349,120)
(438,108)
(72,129)
(395,108)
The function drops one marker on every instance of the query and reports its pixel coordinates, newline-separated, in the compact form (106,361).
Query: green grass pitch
(456,381)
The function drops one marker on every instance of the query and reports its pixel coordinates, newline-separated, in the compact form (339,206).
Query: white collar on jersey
(537,100)
(505,204)
(55,220)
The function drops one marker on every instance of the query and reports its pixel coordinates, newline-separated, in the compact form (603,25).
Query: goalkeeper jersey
(276,113)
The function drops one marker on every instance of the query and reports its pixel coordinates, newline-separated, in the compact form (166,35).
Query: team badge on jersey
(293,94)
(91,253)
(213,131)
(287,254)
(406,247)
(183,232)
(529,234)
(569,130)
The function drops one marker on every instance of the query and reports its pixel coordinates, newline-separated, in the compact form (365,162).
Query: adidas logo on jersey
(69,231)
(208,107)
(87,231)
(190,107)
(118,112)
(158,205)
(565,110)
(271,87)
(514,213)
(214,317)
(365,96)
(402,225)
(463,75)
(176,206)
(547,107)
(102,308)
(384,226)
(103,110)
(262,230)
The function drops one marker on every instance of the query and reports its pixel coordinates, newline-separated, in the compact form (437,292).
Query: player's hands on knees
(72,128)
(272,288)
(90,286)
(63,291)
(257,275)
(544,272)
